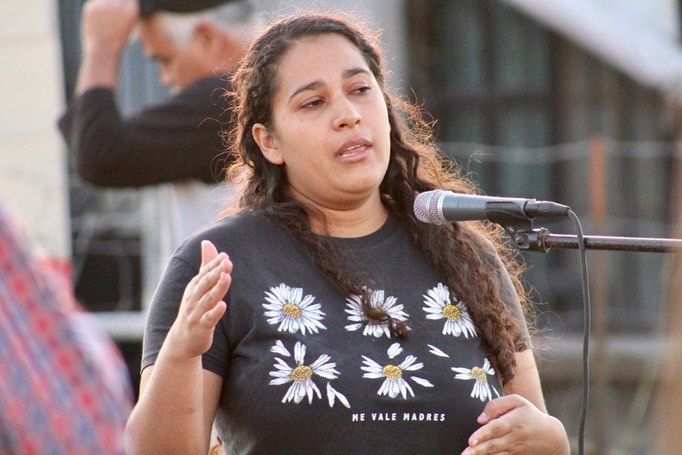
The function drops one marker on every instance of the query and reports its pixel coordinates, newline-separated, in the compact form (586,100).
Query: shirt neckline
(381,234)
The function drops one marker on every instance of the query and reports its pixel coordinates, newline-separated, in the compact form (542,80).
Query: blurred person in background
(64,386)
(196,44)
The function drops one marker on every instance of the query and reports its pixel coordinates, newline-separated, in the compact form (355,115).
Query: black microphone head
(426,207)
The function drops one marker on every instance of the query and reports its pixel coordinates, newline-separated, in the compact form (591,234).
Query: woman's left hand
(513,425)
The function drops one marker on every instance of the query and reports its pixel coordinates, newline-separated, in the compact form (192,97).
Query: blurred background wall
(33,181)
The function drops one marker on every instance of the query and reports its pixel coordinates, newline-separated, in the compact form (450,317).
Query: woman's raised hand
(202,304)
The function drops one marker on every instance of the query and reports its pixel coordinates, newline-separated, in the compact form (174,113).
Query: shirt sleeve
(506,290)
(511,300)
(176,140)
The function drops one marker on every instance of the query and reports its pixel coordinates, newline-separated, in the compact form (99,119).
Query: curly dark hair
(463,254)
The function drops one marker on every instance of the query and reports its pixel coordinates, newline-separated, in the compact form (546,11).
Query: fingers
(500,406)
(513,425)
(202,304)
(213,266)
(106,24)
(491,438)
(212,288)
(210,285)
(212,316)
(208,252)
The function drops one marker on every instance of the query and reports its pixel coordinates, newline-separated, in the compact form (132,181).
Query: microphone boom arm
(541,240)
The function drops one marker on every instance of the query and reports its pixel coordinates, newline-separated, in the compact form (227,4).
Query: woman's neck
(353,221)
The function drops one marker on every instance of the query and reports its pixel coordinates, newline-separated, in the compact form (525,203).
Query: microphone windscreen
(426,207)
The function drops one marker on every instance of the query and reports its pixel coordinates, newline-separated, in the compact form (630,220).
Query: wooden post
(599,295)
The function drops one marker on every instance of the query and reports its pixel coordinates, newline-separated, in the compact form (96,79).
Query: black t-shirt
(304,371)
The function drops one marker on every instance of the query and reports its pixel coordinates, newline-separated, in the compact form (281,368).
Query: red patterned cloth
(64,388)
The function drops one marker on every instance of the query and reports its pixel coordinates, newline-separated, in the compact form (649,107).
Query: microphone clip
(518,226)
(532,239)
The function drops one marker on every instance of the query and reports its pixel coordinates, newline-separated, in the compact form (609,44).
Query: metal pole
(594,242)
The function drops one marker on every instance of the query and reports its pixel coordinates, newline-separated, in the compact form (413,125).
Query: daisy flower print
(481,389)
(301,376)
(394,376)
(358,318)
(292,311)
(456,316)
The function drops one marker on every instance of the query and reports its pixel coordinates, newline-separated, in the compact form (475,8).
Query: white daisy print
(359,319)
(394,382)
(457,319)
(293,312)
(436,351)
(480,375)
(301,375)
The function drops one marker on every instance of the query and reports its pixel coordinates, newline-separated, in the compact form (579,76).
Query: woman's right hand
(202,305)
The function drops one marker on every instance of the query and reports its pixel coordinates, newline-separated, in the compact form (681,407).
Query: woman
(349,326)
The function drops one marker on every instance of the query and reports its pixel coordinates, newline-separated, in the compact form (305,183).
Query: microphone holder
(526,237)
(541,240)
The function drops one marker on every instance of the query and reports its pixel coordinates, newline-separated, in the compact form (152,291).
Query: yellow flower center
(392,372)
(302,373)
(452,312)
(479,374)
(291,310)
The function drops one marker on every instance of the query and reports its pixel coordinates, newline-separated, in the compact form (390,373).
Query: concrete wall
(32,158)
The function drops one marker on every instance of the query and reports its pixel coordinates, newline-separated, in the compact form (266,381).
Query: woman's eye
(311,104)
(362,89)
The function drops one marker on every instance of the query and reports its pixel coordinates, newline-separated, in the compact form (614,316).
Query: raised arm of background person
(174,141)
(178,398)
(517,423)
(105,27)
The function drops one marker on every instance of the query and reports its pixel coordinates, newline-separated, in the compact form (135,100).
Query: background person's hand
(512,425)
(202,306)
(107,24)
(105,29)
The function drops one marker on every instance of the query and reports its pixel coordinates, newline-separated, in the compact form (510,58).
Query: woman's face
(330,124)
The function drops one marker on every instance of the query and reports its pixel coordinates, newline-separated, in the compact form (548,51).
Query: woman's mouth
(353,148)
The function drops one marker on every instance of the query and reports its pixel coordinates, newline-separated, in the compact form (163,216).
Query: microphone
(441,206)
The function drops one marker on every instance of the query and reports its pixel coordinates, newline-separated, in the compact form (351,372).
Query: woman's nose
(347,115)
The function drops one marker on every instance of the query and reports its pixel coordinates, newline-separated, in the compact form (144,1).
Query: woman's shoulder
(234,232)
(235,226)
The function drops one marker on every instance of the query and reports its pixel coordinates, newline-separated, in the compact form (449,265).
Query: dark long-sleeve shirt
(179,139)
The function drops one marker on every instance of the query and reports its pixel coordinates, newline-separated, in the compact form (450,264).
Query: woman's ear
(267,143)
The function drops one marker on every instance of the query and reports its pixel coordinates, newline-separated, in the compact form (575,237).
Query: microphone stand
(520,228)
(541,240)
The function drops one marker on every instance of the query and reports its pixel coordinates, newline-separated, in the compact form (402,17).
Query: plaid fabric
(63,386)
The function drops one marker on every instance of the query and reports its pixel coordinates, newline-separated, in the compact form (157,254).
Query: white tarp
(33,179)
(638,37)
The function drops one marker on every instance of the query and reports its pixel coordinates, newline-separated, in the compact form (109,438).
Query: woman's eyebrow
(310,86)
(314,85)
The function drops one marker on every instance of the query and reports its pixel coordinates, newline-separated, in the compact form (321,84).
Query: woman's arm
(518,423)
(178,398)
